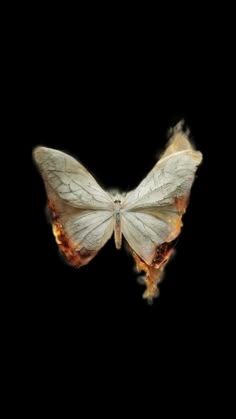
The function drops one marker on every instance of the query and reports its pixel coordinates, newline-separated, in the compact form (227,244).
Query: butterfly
(84,216)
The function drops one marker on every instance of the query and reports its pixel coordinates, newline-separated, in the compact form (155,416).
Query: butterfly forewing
(70,180)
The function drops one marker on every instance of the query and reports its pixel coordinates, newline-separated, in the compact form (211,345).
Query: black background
(110,103)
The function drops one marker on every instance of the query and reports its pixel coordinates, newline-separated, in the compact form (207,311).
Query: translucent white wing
(152,213)
(82,213)
(70,180)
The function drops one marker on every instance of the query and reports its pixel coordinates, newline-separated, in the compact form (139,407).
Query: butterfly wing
(70,180)
(82,212)
(152,213)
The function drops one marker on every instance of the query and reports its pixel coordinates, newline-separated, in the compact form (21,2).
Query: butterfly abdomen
(117,224)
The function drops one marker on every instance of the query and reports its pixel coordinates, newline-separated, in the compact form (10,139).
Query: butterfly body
(84,216)
(117,222)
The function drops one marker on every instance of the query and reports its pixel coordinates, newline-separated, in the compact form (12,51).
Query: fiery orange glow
(154,272)
(64,244)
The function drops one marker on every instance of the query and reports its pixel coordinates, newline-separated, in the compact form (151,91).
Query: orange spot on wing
(181,203)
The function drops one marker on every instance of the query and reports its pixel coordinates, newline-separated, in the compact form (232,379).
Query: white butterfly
(84,216)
